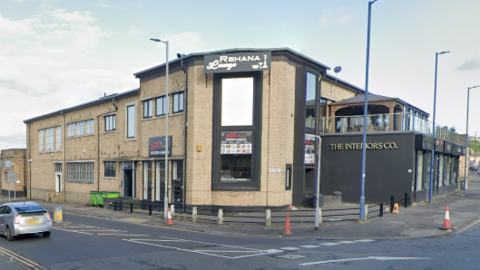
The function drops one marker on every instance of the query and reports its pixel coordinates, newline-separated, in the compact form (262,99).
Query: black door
(127,183)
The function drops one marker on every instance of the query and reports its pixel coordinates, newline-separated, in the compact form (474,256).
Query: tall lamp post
(365,111)
(167,101)
(434,128)
(467,139)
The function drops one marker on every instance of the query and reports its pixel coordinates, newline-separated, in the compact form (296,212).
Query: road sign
(11,177)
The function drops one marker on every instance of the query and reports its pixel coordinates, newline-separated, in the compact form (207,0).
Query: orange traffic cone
(395,209)
(287,226)
(446,221)
(169,217)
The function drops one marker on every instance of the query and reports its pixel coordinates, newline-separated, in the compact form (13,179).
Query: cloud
(48,63)
(337,16)
(470,64)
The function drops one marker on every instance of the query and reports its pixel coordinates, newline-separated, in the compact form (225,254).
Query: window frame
(147,109)
(164,106)
(110,123)
(41,141)
(255,182)
(178,102)
(109,169)
(81,172)
(127,122)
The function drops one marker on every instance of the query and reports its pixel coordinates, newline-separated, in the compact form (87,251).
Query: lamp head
(444,52)
(474,87)
(155,39)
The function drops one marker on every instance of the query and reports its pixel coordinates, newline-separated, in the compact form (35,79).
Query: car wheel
(46,234)
(8,234)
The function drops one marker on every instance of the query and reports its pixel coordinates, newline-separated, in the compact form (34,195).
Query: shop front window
(236,156)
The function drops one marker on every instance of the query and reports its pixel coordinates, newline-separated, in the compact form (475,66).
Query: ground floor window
(80,172)
(159,180)
(177,180)
(440,170)
(109,168)
(428,161)
(419,182)
(147,180)
(448,165)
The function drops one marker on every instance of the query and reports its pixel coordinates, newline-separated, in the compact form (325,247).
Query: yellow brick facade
(191,133)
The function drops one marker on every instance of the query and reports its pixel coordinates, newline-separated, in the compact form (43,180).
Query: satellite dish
(337,69)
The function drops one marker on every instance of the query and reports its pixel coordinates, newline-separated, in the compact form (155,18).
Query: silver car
(24,218)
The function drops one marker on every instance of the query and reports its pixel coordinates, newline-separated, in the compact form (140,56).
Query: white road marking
(98,230)
(367,258)
(309,246)
(329,244)
(236,249)
(273,250)
(365,240)
(347,242)
(56,228)
(290,248)
(125,234)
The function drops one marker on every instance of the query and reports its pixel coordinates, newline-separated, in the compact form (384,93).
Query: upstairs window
(148,108)
(131,121)
(41,137)
(161,106)
(178,102)
(110,123)
(81,128)
(59,138)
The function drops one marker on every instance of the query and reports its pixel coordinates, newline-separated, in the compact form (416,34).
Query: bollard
(406,200)
(194,214)
(131,208)
(392,202)
(366,213)
(58,215)
(381,210)
(220,217)
(172,210)
(150,209)
(268,219)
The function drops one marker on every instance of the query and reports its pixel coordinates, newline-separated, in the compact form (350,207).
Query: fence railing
(389,122)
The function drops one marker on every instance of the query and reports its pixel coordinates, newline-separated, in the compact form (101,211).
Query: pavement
(419,220)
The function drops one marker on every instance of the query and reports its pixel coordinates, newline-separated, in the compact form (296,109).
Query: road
(93,243)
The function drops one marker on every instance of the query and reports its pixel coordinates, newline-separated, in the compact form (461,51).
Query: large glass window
(237,121)
(159,180)
(177,180)
(161,106)
(79,128)
(110,123)
(148,108)
(41,141)
(109,168)
(80,172)
(71,129)
(89,127)
(49,139)
(131,121)
(419,171)
(147,180)
(310,98)
(178,102)
(59,138)
(237,102)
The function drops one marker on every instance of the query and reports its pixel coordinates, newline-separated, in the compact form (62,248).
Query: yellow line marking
(21,259)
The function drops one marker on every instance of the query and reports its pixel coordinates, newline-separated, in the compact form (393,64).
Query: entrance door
(128,179)
(58,177)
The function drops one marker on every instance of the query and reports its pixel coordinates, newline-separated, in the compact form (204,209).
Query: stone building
(237,121)
(13,161)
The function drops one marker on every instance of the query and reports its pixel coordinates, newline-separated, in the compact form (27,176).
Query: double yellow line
(22,260)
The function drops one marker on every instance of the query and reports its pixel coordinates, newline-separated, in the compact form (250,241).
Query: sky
(55,54)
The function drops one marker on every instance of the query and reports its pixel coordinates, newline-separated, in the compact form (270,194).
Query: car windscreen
(29,208)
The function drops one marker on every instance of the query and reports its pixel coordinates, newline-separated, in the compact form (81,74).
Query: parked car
(473,167)
(24,218)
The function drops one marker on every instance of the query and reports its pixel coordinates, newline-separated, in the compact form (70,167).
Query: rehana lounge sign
(237,62)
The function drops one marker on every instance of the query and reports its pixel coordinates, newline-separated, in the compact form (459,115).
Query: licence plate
(34,221)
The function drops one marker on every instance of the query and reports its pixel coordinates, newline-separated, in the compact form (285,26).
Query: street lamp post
(365,111)
(467,139)
(167,101)
(434,128)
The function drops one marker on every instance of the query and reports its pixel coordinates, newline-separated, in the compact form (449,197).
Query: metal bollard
(381,210)
(149,209)
(194,214)
(131,208)
(366,212)
(220,217)
(406,200)
(392,202)
(172,210)
(114,206)
(268,219)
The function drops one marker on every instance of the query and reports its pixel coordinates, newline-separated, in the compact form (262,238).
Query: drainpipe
(64,164)
(185,110)
(29,158)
